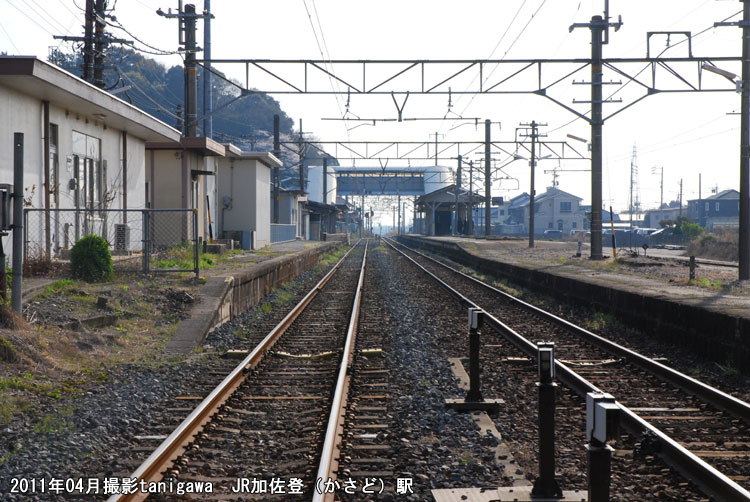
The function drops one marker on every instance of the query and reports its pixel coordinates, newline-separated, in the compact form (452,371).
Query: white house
(555,209)
(83,147)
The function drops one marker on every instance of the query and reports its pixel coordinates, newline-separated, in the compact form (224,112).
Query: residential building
(721,210)
(555,209)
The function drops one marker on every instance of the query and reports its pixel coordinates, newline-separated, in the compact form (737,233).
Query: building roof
(550,193)
(266,158)
(519,200)
(204,146)
(34,77)
(730,194)
(448,195)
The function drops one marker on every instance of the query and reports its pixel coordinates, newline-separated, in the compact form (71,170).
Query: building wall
(248,183)
(549,215)
(23,113)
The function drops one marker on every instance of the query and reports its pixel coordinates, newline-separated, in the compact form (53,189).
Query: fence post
(146,241)
(25,235)
(196,253)
(18,229)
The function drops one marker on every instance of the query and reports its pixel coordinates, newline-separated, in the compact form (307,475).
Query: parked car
(553,234)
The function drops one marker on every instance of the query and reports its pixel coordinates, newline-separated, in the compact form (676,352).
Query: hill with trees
(160,91)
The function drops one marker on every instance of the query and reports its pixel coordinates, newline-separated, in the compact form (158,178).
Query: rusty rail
(174,445)
(691,466)
(329,456)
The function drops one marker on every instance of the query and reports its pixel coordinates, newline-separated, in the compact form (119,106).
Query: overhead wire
(322,55)
(46,16)
(30,18)
(646,67)
(502,37)
(7,35)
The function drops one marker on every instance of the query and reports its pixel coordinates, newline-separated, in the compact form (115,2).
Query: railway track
(270,428)
(700,431)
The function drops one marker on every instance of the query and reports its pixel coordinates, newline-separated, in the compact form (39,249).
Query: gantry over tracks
(272,367)
(474,293)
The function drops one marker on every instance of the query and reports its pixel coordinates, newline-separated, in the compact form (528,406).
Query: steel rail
(175,444)
(716,397)
(691,466)
(329,455)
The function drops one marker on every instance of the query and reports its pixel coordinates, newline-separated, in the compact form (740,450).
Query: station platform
(712,312)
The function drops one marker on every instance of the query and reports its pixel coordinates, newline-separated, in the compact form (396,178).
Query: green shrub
(90,259)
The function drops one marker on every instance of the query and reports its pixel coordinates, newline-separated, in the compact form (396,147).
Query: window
(54,169)
(575,224)
(708,205)
(559,224)
(91,176)
(549,225)
(565,207)
(717,207)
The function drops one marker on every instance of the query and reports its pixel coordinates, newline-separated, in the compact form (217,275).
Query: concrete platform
(713,322)
(510,494)
(226,295)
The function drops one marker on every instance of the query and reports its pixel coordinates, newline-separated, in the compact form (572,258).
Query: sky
(689,135)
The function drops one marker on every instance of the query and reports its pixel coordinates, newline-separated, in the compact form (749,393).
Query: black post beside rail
(545,486)
(196,254)
(476,318)
(474,400)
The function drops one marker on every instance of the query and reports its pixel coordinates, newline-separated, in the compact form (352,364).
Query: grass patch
(702,282)
(10,406)
(266,307)
(61,286)
(57,421)
(598,321)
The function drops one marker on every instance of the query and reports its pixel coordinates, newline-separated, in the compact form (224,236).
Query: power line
(9,38)
(320,49)
(158,52)
(29,17)
(45,18)
(646,68)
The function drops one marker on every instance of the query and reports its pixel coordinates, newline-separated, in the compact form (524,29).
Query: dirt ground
(73,333)
(669,273)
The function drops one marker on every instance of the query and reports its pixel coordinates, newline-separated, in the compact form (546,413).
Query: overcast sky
(687,134)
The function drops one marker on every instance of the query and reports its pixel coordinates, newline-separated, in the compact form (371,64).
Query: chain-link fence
(141,240)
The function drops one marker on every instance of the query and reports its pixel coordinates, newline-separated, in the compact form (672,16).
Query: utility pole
(276,173)
(325,180)
(470,221)
(88,42)
(487,176)
(394,216)
(99,43)
(403,211)
(458,189)
(208,122)
(399,215)
(95,41)
(191,73)
(599,27)
(680,197)
(187,19)
(532,191)
(744,244)
(301,154)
